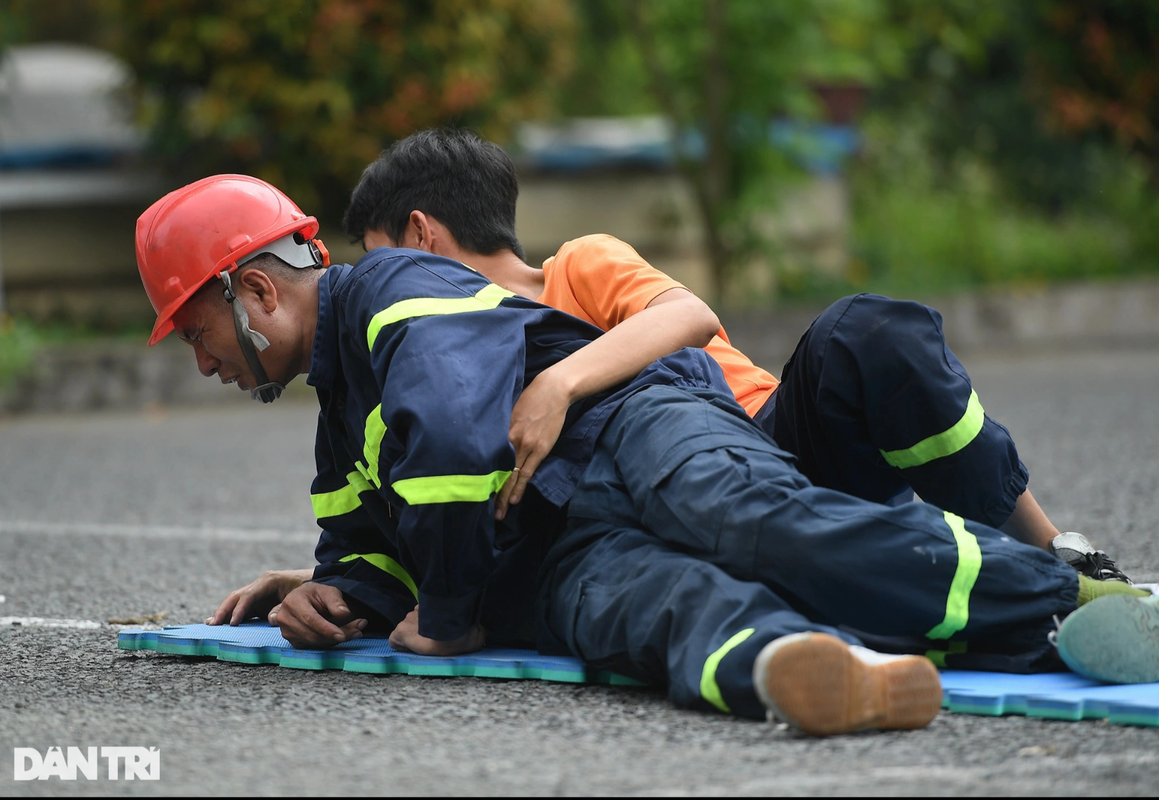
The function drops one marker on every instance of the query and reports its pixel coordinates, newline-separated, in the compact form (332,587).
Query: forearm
(622,352)
(1029,523)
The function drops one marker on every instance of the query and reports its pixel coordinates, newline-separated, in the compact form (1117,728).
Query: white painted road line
(37,528)
(45,622)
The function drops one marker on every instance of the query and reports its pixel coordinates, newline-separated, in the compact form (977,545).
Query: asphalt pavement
(125,514)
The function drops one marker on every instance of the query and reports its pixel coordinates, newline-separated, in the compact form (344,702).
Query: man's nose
(207,364)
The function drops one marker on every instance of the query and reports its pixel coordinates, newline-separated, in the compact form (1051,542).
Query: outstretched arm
(646,315)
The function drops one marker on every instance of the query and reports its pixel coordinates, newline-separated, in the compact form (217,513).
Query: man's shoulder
(591,250)
(397,274)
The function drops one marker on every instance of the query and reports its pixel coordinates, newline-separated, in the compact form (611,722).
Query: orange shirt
(604,281)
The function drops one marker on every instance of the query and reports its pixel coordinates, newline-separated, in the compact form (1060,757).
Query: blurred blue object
(818,148)
(64,156)
(582,145)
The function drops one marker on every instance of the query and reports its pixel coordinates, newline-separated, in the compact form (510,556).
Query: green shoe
(1114,639)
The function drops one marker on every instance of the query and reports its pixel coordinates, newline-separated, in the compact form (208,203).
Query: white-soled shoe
(822,686)
(1113,639)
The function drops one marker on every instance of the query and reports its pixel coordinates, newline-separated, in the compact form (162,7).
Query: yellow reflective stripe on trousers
(487,297)
(388,565)
(372,436)
(450,488)
(341,501)
(939,656)
(709,690)
(965,575)
(942,444)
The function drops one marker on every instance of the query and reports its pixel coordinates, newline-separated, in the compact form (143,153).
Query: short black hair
(460,179)
(266,262)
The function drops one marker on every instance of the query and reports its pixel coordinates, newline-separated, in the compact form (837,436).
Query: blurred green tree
(78,21)
(305,93)
(993,158)
(1094,64)
(1027,87)
(721,71)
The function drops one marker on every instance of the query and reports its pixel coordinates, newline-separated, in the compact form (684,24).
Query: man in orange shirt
(873,403)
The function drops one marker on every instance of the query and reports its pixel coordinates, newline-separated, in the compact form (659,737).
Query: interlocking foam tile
(259,643)
(1056,695)
(1059,695)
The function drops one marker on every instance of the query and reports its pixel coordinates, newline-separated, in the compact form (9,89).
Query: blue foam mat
(259,643)
(1060,695)
(1055,695)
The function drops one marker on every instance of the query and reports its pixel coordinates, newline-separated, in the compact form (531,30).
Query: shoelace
(1100,566)
(1052,636)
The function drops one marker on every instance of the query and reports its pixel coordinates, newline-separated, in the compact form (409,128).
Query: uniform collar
(324,357)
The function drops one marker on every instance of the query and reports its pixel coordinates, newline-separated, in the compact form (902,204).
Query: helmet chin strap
(251,341)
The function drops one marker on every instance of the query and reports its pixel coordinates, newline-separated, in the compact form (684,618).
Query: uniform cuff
(446,618)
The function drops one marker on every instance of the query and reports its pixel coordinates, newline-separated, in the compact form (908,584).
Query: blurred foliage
(1001,141)
(78,21)
(723,70)
(971,173)
(1096,67)
(18,344)
(306,93)
(993,81)
(918,230)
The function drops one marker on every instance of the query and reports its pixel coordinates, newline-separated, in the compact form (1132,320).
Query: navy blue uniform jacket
(417,362)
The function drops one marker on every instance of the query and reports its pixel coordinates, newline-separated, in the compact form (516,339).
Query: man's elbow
(704,321)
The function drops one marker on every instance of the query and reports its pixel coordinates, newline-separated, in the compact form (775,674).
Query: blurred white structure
(69,194)
(620,176)
(63,101)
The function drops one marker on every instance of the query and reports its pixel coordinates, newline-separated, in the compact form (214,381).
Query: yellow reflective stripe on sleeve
(389,565)
(939,656)
(965,575)
(942,444)
(709,689)
(375,430)
(340,501)
(450,488)
(487,297)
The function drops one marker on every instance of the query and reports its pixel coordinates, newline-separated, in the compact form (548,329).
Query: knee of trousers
(882,329)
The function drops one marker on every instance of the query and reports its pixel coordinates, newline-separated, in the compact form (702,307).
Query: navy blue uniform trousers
(874,403)
(693,540)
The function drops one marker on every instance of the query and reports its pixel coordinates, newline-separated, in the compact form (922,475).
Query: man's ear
(431,235)
(419,234)
(262,286)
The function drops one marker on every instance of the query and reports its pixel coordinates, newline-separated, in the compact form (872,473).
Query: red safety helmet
(194,233)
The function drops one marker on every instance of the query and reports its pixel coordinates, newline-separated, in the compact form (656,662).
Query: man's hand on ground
(316,616)
(258,598)
(406,636)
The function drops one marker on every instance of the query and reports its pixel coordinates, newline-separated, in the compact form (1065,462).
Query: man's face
(206,324)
